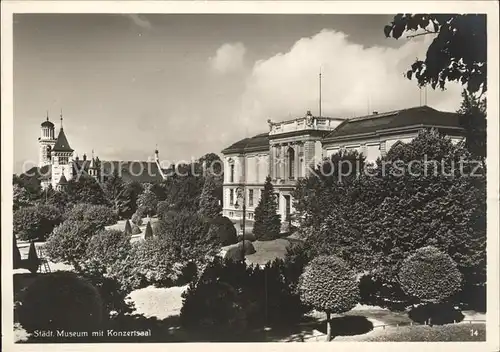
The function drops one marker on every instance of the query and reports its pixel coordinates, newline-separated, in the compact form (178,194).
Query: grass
(450,332)
(267,251)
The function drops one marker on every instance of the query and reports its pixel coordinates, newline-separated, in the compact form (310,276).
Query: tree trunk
(328,328)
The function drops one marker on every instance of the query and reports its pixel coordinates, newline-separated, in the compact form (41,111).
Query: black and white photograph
(250,174)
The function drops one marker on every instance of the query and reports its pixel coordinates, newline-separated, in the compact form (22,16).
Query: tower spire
(61,119)
(47,115)
(320,91)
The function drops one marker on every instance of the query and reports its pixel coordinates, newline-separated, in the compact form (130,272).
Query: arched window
(291,163)
(49,149)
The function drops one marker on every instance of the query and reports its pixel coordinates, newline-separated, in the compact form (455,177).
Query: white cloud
(228,58)
(140,21)
(355,80)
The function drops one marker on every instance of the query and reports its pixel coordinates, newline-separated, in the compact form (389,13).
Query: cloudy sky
(194,84)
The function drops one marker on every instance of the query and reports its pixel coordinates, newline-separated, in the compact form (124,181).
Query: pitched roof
(139,171)
(423,116)
(62,144)
(260,141)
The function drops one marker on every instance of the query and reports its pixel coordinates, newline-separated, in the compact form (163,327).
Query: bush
(148,234)
(223,228)
(248,237)
(136,230)
(212,307)
(329,285)
(33,261)
(235,252)
(149,262)
(430,275)
(99,216)
(36,222)
(60,300)
(162,208)
(264,295)
(68,243)
(106,248)
(137,218)
(267,222)
(187,237)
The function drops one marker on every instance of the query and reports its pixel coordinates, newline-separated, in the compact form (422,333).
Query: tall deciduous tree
(114,189)
(473,119)
(457,53)
(147,201)
(85,189)
(267,222)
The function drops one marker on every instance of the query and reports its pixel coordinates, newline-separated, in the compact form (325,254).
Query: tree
(33,261)
(330,286)
(98,216)
(147,201)
(209,204)
(457,53)
(36,222)
(473,119)
(128,228)
(68,243)
(148,234)
(21,197)
(267,222)
(114,189)
(187,237)
(129,198)
(430,275)
(105,249)
(85,189)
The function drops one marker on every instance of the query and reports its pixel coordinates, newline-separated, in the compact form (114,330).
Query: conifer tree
(267,222)
(33,260)
(149,231)
(209,203)
(147,201)
(128,228)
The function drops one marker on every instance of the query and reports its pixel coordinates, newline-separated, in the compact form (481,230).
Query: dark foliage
(85,189)
(329,285)
(248,237)
(147,201)
(436,314)
(430,275)
(33,261)
(259,297)
(98,216)
(36,222)
(16,253)
(457,52)
(148,234)
(60,300)
(473,119)
(210,205)
(267,222)
(128,228)
(223,228)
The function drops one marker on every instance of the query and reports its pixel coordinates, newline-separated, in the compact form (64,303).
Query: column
(283,161)
(297,160)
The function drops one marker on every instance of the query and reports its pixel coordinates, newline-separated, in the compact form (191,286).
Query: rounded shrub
(329,285)
(106,248)
(430,275)
(223,228)
(235,252)
(60,300)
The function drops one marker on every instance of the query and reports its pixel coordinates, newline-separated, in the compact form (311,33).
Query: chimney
(375,113)
(157,157)
(84,157)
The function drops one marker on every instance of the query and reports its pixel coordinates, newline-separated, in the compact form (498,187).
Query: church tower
(46,142)
(62,159)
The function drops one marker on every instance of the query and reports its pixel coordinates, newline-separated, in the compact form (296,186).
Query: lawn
(267,251)
(449,332)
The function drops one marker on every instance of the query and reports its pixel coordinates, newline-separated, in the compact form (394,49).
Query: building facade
(290,149)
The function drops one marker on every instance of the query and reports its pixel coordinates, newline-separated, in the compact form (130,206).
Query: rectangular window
(231,197)
(231,177)
(250,197)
